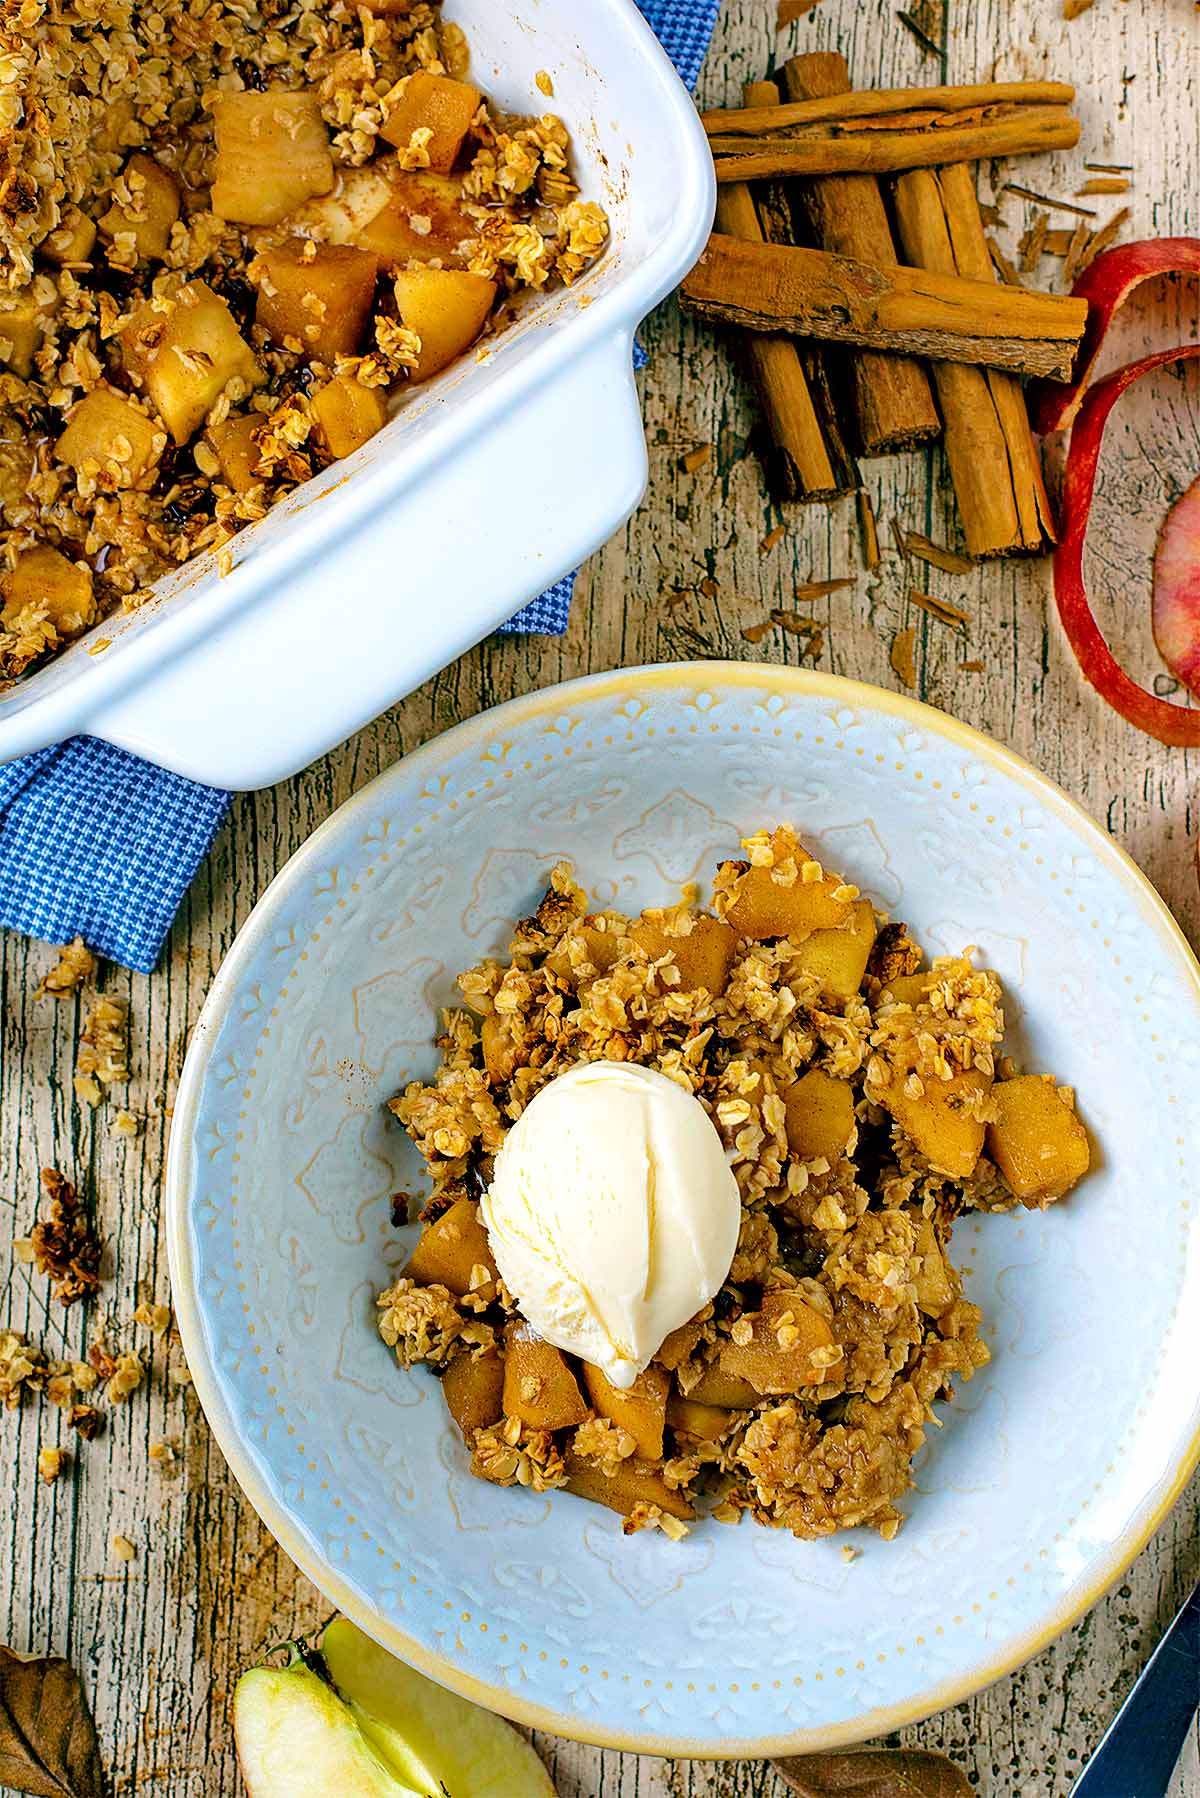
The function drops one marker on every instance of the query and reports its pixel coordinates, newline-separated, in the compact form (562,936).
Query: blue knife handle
(1138,1754)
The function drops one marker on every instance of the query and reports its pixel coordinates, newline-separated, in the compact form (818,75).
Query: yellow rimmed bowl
(1053,1465)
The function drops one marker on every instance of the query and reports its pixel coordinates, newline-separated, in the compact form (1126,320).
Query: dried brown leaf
(695,458)
(709,588)
(1073,8)
(1104,184)
(754,633)
(48,1743)
(772,539)
(903,662)
(971,667)
(874,1773)
(791,10)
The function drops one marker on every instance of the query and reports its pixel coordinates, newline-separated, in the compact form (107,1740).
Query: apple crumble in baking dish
(593,1325)
(231,233)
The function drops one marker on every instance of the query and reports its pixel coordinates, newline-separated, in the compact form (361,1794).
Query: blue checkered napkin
(99,844)
(95,843)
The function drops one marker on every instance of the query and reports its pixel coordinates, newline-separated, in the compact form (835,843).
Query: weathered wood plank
(160,1642)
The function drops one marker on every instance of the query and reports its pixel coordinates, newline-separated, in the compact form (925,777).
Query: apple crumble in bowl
(232,237)
(860,1098)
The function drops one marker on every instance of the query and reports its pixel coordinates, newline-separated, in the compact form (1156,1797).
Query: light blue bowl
(1051,1468)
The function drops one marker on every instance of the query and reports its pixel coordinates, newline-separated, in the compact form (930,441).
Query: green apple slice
(296,1739)
(426,1733)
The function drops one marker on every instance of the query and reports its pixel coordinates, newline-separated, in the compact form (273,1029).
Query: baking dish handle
(317,655)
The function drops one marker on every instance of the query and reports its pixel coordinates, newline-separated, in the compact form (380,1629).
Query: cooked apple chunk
(602,947)
(16,469)
(72,240)
(791,895)
(44,577)
(729,1391)
(447,309)
(933,1285)
(1036,1140)
(272,155)
(632,1483)
(908,989)
(145,208)
(776,1356)
(184,357)
(453,1251)
(679,1345)
(438,105)
(399,216)
(24,314)
(473,1387)
(687,1417)
(348,415)
(819,1116)
(236,444)
(703,957)
(943,1116)
(109,440)
(421,219)
(839,957)
(314,298)
(539,1387)
(347,209)
(116,128)
(641,1410)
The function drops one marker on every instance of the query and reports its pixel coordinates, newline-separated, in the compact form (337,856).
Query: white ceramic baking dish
(492,482)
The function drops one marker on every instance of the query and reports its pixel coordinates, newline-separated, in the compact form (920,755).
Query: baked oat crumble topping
(103,1056)
(64,1244)
(230,232)
(75,964)
(864,1105)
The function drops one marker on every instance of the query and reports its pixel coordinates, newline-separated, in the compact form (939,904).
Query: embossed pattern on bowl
(1051,1467)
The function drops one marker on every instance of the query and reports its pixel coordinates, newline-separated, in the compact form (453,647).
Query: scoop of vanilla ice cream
(613,1214)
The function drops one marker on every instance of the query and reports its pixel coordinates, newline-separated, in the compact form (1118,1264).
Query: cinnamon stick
(752,121)
(989,446)
(892,398)
(808,459)
(913,311)
(877,146)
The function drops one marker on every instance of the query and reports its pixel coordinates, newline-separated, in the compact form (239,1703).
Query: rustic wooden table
(161,1640)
